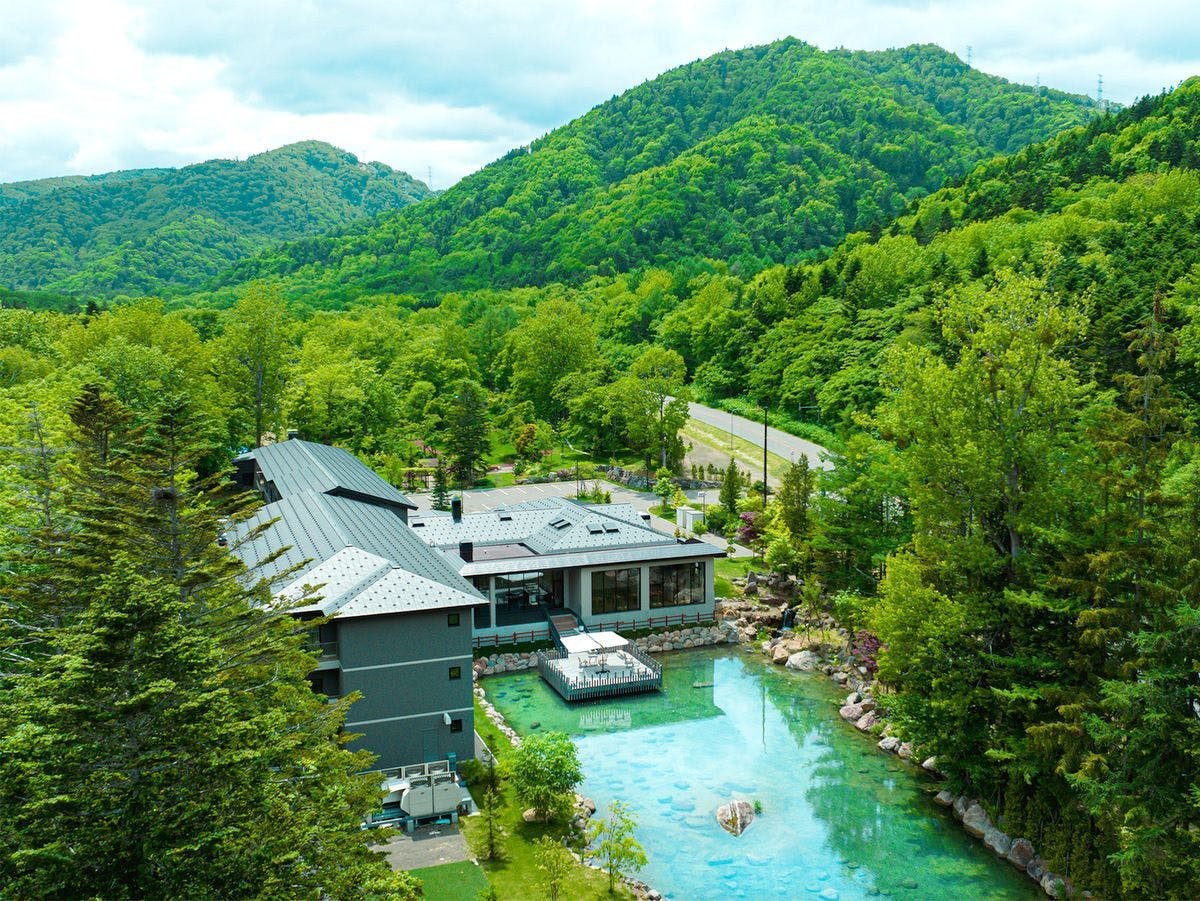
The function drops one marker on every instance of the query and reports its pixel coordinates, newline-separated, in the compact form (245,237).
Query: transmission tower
(970,55)
(1100,91)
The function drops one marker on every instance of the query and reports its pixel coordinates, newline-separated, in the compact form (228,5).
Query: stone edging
(657,643)
(584,807)
(863,712)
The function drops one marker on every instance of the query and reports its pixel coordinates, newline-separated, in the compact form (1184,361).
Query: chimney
(456,509)
(466,550)
(293,433)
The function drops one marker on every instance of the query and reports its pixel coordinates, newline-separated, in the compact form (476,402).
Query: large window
(523,597)
(675,586)
(616,591)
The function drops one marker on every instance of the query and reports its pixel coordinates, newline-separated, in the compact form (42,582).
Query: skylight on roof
(506,517)
(559,524)
(595,530)
(611,529)
(417,524)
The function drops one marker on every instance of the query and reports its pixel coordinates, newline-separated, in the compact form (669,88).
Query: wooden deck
(586,677)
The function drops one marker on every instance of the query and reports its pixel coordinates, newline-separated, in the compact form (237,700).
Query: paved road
(780,443)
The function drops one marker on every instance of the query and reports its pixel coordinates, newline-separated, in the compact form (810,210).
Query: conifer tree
(162,739)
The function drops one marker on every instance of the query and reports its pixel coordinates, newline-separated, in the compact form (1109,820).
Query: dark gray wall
(400,664)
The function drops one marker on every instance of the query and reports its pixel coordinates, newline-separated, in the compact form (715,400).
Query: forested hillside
(143,231)
(766,155)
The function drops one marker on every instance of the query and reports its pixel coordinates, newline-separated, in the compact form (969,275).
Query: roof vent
(506,517)
(595,530)
(559,524)
(418,524)
(611,529)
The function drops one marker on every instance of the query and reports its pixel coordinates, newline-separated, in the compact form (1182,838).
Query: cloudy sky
(443,87)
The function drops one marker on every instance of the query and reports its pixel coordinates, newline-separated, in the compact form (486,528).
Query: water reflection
(839,819)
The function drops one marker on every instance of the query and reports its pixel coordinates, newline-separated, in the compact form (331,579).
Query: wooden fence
(654,622)
(494,641)
(589,688)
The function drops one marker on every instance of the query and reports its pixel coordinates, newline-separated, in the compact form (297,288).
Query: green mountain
(146,230)
(756,156)
(1118,201)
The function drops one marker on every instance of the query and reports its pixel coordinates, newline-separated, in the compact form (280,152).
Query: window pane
(675,586)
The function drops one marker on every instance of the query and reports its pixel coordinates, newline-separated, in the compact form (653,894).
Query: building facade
(602,562)
(395,617)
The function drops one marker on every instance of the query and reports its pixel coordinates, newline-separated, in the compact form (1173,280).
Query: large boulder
(945,797)
(805,661)
(865,722)
(851,712)
(890,743)
(905,750)
(976,820)
(997,841)
(780,656)
(1053,885)
(1020,853)
(735,816)
(961,803)
(930,765)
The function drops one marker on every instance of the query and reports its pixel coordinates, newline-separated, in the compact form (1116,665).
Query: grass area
(461,881)
(747,454)
(496,480)
(515,877)
(727,569)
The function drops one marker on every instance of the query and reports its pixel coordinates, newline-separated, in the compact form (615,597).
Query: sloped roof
(352,547)
(355,583)
(547,527)
(295,466)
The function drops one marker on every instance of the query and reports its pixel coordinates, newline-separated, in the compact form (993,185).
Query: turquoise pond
(841,820)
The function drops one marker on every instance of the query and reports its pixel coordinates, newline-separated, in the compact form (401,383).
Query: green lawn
(729,568)
(515,877)
(461,881)
(747,454)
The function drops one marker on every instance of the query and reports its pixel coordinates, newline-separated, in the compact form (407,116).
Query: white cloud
(93,85)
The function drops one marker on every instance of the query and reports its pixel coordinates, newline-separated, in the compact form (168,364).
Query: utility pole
(766,410)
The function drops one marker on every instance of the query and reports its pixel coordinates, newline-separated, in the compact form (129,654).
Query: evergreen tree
(466,428)
(163,739)
(441,488)
(731,488)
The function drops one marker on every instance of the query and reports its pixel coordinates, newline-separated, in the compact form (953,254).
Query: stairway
(563,623)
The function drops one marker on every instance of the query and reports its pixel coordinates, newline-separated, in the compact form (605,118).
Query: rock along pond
(840,820)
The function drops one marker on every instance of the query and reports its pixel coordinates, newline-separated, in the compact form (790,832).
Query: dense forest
(754,157)
(1002,352)
(147,230)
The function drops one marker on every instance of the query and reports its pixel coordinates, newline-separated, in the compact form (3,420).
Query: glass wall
(523,597)
(675,586)
(616,591)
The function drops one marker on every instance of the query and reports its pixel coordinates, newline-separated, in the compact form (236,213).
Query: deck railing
(587,688)
(494,641)
(655,622)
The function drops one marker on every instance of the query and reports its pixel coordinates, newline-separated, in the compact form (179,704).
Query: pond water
(840,820)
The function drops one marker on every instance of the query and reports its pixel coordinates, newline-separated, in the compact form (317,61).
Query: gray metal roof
(317,529)
(614,557)
(545,526)
(355,583)
(295,466)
